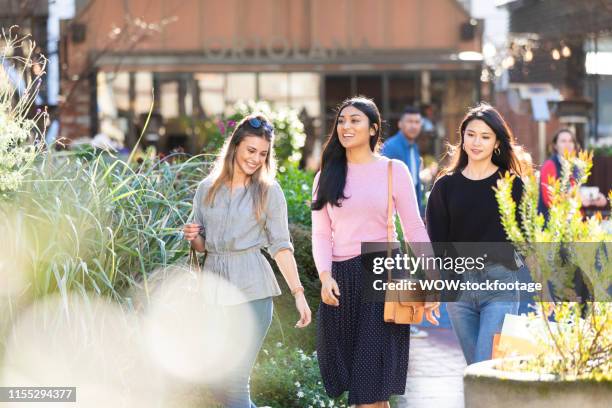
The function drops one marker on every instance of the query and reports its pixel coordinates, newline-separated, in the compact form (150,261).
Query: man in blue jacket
(403,146)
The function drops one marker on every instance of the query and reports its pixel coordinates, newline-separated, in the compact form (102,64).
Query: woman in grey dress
(238,210)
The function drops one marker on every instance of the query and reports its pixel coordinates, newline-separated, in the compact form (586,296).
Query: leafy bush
(297,186)
(580,345)
(100,224)
(17,126)
(285,314)
(211,133)
(288,128)
(286,377)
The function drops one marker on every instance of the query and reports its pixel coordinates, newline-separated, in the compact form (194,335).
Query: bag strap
(389,213)
(193,259)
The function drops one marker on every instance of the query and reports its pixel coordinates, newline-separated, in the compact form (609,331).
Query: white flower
(16,127)
(297,384)
(300,394)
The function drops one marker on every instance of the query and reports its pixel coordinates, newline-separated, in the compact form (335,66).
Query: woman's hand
(330,292)
(303,309)
(432,309)
(191,231)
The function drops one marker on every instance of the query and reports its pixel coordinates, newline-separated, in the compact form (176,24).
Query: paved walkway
(435,372)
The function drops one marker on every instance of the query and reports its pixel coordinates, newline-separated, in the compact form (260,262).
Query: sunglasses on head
(256,123)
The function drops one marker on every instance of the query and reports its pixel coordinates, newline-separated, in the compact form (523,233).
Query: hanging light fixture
(566,51)
(528,56)
(508,62)
(556,55)
(485,76)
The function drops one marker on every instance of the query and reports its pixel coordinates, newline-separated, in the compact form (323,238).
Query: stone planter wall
(486,387)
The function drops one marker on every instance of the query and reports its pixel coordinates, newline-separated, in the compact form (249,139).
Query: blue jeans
(234,391)
(477,316)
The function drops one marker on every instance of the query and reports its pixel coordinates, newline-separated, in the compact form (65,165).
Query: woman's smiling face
(353,128)
(479,141)
(251,154)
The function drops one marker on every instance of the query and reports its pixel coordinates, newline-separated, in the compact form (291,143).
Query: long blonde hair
(223,170)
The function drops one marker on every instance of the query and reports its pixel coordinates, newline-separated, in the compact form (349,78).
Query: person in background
(563,142)
(429,131)
(402,146)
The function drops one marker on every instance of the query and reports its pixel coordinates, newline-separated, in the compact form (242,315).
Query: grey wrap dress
(234,240)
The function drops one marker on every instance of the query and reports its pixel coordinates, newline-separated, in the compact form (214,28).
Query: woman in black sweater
(462,209)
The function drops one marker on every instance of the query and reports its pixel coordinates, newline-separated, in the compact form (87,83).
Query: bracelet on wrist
(297,289)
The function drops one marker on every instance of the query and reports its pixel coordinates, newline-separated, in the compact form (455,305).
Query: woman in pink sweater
(358,352)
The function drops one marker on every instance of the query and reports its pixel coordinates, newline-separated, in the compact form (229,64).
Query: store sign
(277,49)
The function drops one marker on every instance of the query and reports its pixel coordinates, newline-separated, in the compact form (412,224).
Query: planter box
(486,387)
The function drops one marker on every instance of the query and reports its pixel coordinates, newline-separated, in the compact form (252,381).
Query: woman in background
(563,142)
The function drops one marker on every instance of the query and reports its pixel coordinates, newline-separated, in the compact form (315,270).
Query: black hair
(332,178)
(505,156)
(410,110)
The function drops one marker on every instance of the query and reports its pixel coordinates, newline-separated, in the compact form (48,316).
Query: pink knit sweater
(337,232)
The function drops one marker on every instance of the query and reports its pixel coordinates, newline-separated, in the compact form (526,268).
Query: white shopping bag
(519,336)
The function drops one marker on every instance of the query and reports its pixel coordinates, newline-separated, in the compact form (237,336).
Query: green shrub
(302,242)
(99,224)
(286,377)
(297,186)
(211,133)
(580,345)
(285,313)
(288,128)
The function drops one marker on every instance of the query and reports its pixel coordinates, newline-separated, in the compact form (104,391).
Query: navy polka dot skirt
(358,352)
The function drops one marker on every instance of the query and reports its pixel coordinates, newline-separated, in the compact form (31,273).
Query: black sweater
(464,210)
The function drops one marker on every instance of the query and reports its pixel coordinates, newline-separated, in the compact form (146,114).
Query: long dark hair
(505,156)
(333,162)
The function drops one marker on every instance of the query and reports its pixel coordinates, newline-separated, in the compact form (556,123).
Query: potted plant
(573,364)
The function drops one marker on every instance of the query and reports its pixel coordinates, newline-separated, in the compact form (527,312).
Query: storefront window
(239,87)
(144,96)
(212,93)
(169,107)
(402,92)
(304,92)
(371,86)
(337,89)
(274,88)
(120,89)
